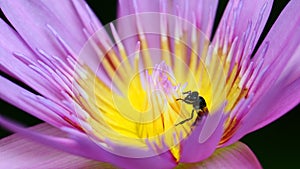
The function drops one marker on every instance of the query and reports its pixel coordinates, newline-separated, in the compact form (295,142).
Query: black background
(276,145)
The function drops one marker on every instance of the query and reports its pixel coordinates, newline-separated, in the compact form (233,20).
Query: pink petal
(7,36)
(32,18)
(75,15)
(282,44)
(200,13)
(242,15)
(80,144)
(19,152)
(287,99)
(275,103)
(235,156)
(11,44)
(126,7)
(204,139)
(23,99)
(204,10)
(59,29)
(279,90)
(88,19)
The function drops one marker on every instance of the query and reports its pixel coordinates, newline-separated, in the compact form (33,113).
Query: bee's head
(193,96)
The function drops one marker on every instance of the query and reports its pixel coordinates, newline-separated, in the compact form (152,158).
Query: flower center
(130,99)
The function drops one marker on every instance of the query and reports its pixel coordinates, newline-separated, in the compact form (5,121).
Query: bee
(199,106)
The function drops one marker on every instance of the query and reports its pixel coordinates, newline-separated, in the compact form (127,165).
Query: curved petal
(19,152)
(244,18)
(235,156)
(40,22)
(275,89)
(278,91)
(80,144)
(24,100)
(204,139)
(238,32)
(126,7)
(75,15)
(280,46)
(200,13)
(203,10)
(287,99)
(275,103)
(87,17)
(19,61)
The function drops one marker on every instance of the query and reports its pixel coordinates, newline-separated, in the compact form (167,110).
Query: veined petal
(277,93)
(32,18)
(268,109)
(286,99)
(47,74)
(23,99)
(11,42)
(87,17)
(75,15)
(11,46)
(243,19)
(203,11)
(235,156)
(19,152)
(126,7)
(81,145)
(280,45)
(198,146)
(199,13)
(255,81)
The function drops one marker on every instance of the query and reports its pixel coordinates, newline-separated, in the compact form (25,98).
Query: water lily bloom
(154,89)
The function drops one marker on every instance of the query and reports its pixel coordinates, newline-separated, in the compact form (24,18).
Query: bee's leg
(192,115)
(185,101)
(187,92)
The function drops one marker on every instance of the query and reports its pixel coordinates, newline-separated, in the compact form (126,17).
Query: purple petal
(32,18)
(126,7)
(11,42)
(204,11)
(87,17)
(81,145)
(275,103)
(286,99)
(244,20)
(200,13)
(278,92)
(23,99)
(11,46)
(204,139)
(282,43)
(235,156)
(18,152)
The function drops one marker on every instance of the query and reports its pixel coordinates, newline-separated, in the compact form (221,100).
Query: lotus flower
(149,90)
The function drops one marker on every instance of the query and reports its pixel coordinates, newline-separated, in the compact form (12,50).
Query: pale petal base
(19,152)
(235,156)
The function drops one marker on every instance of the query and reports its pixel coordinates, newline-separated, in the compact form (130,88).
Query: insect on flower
(199,106)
